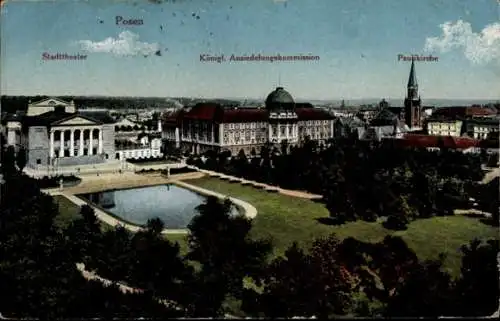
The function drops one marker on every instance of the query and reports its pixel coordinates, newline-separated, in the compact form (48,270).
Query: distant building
(444,127)
(385,124)
(348,127)
(435,142)
(124,122)
(413,103)
(481,128)
(210,126)
(463,112)
(476,122)
(146,145)
(54,133)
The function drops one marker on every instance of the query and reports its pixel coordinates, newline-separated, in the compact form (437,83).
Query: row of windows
(484,129)
(261,124)
(228,140)
(442,126)
(244,125)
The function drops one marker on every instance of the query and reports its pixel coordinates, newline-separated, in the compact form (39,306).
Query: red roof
(241,115)
(216,113)
(312,114)
(173,118)
(426,141)
(203,111)
(489,143)
(462,111)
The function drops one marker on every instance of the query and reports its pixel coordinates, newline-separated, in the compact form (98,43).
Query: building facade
(146,145)
(482,128)
(210,126)
(444,127)
(54,134)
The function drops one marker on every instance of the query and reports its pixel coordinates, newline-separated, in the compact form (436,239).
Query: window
(38,161)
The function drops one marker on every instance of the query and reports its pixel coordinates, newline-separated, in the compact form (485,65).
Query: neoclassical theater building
(54,133)
(210,126)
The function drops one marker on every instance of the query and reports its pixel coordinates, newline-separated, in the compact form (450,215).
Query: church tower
(413,107)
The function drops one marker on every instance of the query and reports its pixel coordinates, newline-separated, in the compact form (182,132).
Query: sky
(357,41)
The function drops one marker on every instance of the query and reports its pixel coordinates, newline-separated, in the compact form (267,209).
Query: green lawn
(286,219)
(68,211)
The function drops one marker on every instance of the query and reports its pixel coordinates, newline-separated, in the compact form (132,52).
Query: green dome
(279,98)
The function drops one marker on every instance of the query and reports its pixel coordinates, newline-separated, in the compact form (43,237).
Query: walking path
(294,193)
(493,172)
(91,275)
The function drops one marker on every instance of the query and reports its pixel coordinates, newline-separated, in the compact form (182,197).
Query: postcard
(249,159)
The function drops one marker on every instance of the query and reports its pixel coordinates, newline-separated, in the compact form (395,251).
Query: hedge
(49,182)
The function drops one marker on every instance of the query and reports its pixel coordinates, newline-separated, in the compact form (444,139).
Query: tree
(489,199)
(284,147)
(304,285)
(155,225)
(253,152)
(85,233)
(427,291)
(477,289)
(221,244)
(38,271)
(9,161)
(400,214)
(382,268)
(493,160)
(241,164)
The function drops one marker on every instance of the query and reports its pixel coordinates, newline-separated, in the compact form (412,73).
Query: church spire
(412,80)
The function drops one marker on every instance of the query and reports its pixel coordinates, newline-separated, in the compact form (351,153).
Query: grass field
(68,211)
(286,219)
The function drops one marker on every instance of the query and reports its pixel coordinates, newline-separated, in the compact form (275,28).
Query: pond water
(174,205)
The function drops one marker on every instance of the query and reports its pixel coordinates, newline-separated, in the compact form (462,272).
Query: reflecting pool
(174,205)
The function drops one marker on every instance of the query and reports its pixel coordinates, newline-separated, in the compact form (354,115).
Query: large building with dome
(211,126)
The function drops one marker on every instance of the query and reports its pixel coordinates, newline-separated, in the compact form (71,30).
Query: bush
(180,170)
(369,216)
(51,182)
(396,222)
(338,219)
(145,160)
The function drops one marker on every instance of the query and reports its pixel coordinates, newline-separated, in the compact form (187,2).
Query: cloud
(480,48)
(127,44)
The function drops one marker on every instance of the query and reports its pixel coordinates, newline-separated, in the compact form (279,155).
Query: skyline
(358,43)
